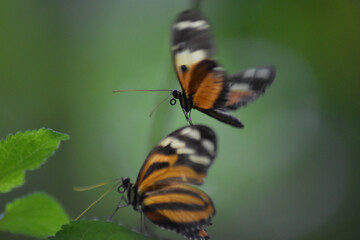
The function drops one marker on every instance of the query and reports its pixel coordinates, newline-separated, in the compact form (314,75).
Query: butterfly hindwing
(184,156)
(246,86)
(224,117)
(181,208)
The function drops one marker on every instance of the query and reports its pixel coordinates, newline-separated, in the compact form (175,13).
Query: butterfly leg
(143,223)
(117,207)
(189,118)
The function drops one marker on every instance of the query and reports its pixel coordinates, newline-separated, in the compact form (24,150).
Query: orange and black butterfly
(205,85)
(162,191)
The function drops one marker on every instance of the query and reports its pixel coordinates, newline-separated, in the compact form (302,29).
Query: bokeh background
(291,173)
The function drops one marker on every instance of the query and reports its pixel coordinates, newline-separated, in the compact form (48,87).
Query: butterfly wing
(184,156)
(224,117)
(201,78)
(181,208)
(192,42)
(196,234)
(246,86)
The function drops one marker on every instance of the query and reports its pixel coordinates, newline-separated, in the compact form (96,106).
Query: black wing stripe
(177,179)
(177,190)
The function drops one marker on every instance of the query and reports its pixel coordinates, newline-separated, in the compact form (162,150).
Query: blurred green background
(292,173)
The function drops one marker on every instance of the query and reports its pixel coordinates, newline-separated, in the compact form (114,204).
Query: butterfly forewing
(184,156)
(192,42)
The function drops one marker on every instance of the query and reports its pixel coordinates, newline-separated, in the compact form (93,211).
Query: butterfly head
(185,102)
(125,185)
(130,192)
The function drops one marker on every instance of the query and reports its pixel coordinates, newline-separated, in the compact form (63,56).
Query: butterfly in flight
(162,191)
(205,85)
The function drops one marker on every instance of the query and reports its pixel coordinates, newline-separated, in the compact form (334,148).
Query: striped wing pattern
(179,207)
(182,158)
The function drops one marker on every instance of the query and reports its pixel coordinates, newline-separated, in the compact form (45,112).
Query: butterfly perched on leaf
(162,191)
(205,85)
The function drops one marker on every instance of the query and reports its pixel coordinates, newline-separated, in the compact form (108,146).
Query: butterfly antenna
(97,200)
(142,90)
(157,106)
(86,188)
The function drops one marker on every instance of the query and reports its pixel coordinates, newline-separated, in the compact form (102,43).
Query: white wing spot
(240,87)
(249,73)
(199,160)
(199,25)
(185,131)
(198,55)
(185,151)
(177,144)
(194,134)
(188,58)
(209,146)
(166,141)
(263,73)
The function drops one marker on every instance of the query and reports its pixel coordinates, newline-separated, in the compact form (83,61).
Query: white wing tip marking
(166,141)
(249,73)
(209,146)
(185,131)
(198,25)
(191,133)
(263,73)
(240,87)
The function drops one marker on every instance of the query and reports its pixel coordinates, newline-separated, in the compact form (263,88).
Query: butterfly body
(163,191)
(205,85)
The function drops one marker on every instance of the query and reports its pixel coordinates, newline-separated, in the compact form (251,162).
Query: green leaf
(96,230)
(36,215)
(25,151)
